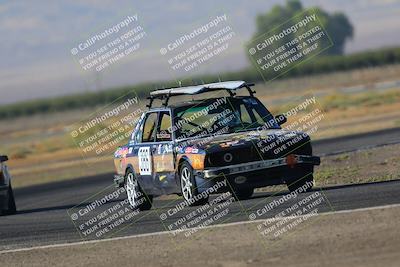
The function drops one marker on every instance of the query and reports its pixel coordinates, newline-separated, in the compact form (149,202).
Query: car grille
(232,155)
(238,155)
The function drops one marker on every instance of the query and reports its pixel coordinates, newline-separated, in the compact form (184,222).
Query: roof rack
(229,86)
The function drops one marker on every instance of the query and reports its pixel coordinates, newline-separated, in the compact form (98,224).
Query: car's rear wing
(229,86)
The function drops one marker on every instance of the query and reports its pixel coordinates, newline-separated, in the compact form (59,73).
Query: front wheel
(188,186)
(136,197)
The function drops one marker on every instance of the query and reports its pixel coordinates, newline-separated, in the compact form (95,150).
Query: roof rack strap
(231,93)
(165,103)
(251,92)
(151,99)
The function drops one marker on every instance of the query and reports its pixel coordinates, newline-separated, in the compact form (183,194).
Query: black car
(211,145)
(7,202)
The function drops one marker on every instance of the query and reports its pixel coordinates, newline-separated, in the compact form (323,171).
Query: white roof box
(198,89)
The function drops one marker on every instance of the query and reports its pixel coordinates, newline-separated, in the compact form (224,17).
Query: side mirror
(3,158)
(280,119)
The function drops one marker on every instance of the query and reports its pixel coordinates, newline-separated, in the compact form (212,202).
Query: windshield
(222,115)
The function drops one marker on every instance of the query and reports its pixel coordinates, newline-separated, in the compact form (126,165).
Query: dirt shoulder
(41,149)
(364,166)
(361,238)
(368,165)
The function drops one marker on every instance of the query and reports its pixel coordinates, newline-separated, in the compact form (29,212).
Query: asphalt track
(43,217)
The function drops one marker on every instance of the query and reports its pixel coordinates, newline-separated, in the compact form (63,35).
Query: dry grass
(371,165)
(41,149)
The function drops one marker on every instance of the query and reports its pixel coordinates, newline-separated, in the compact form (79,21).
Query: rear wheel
(136,197)
(188,186)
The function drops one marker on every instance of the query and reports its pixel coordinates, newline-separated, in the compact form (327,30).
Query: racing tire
(12,208)
(188,186)
(306,182)
(137,199)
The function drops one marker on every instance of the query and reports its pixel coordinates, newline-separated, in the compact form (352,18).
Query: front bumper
(290,160)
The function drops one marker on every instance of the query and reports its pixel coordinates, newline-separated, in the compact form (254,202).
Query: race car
(216,144)
(7,202)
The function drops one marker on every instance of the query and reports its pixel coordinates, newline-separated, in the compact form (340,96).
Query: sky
(37,38)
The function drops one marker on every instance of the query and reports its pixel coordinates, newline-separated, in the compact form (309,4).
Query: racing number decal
(144,160)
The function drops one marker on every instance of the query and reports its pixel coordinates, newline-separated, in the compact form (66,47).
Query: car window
(206,117)
(198,121)
(244,115)
(138,135)
(149,127)
(164,128)
(249,115)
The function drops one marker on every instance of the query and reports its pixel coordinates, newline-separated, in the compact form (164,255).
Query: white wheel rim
(186,183)
(131,189)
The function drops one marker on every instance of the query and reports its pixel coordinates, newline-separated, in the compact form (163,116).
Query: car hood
(272,139)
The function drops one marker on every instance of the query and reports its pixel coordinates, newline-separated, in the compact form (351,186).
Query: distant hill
(36,60)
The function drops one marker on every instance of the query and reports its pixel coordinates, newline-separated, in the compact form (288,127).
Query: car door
(163,155)
(143,150)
